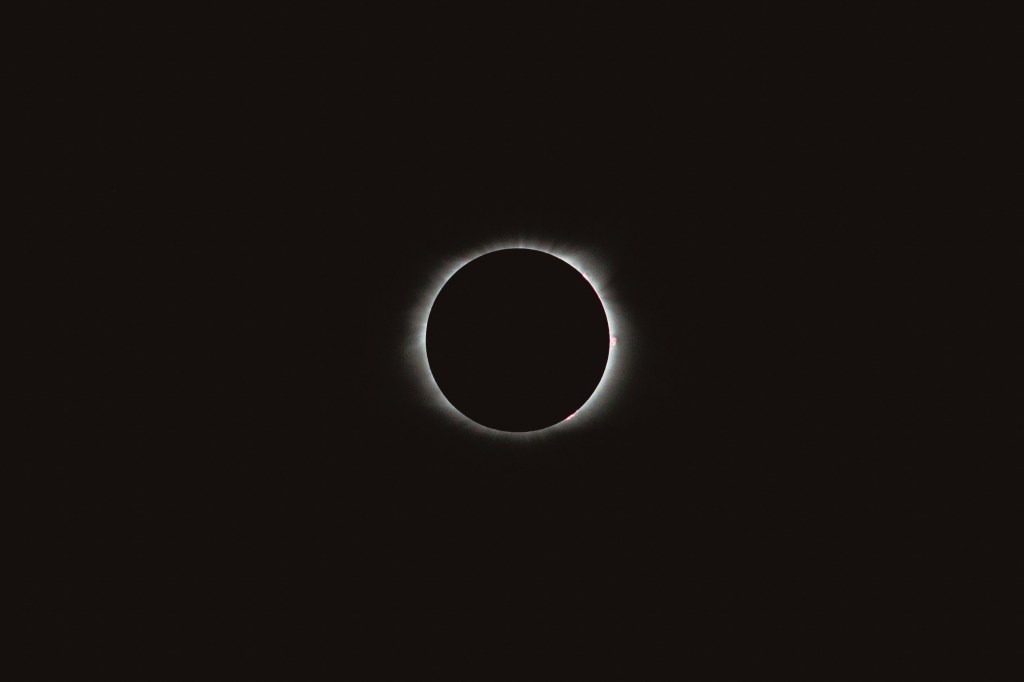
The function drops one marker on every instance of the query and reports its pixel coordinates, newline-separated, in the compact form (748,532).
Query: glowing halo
(600,399)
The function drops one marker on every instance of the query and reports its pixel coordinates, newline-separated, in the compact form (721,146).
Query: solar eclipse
(514,341)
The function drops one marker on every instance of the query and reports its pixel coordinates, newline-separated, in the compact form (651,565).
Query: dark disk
(517,340)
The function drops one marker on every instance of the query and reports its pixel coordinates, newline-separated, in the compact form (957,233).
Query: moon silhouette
(517,340)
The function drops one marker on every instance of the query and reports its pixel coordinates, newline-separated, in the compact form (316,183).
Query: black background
(232,213)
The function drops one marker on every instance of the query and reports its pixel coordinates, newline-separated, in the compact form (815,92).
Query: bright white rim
(596,406)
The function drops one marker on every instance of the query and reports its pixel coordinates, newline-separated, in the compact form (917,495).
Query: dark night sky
(234,212)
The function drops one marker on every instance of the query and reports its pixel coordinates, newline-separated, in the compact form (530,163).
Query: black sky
(234,212)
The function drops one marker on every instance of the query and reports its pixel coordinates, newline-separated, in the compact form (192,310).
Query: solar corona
(518,341)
